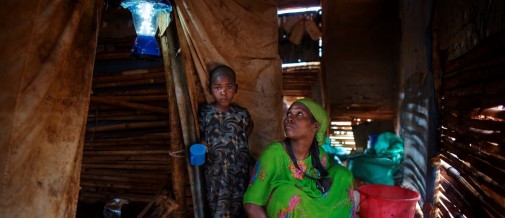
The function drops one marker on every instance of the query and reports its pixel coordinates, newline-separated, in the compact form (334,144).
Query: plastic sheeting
(46,61)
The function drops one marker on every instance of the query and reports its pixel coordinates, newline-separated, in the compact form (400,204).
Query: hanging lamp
(145,14)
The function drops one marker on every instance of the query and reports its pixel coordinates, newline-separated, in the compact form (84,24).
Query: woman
(307,187)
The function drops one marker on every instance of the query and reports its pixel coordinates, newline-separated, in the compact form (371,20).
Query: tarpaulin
(47,50)
(243,35)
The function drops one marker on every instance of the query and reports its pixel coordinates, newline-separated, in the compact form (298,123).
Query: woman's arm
(255,211)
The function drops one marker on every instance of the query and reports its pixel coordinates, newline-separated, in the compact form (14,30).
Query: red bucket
(380,201)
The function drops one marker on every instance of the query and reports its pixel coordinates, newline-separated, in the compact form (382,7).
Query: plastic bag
(379,163)
(372,169)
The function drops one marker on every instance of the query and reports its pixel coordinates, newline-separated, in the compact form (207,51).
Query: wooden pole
(195,94)
(176,139)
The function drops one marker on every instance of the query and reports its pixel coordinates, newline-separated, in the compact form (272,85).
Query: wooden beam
(127,104)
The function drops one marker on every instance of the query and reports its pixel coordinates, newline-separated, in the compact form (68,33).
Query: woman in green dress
(294,177)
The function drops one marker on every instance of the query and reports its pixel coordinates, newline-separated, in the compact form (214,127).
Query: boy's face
(223,89)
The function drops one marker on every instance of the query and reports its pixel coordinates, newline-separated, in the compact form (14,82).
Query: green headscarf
(320,115)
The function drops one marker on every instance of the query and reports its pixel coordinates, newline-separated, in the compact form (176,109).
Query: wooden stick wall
(128,138)
(118,149)
(472,166)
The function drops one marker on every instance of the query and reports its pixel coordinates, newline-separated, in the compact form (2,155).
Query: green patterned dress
(284,191)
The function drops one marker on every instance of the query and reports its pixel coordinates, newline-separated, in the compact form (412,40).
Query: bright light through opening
(341,123)
(298,10)
(302,64)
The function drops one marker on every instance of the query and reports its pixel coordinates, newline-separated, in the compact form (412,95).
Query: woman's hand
(254,211)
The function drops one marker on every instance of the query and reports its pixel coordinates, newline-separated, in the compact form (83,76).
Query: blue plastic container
(197,154)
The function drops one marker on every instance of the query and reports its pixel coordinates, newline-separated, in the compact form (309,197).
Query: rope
(176,153)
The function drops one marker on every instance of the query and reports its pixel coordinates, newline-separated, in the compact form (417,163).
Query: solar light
(145,14)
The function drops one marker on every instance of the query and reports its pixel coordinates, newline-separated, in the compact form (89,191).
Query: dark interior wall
(360,47)
(417,108)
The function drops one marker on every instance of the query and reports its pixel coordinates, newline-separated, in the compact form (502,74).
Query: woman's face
(299,122)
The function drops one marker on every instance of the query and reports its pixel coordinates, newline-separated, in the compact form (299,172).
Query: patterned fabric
(227,160)
(277,185)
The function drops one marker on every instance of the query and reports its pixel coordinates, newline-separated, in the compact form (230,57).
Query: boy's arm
(249,128)
(201,124)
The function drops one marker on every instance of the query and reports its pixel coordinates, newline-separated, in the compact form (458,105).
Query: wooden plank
(493,136)
(474,174)
(476,75)
(493,87)
(129,75)
(455,203)
(131,187)
(458,192)
(155,133)
(478,145)
(127,118)
(300,89)
(112,56)
(297,93)
(127,104)
(93,197)
(101,144)
(125,137)
(450,207)
(486,202)
(121,179)
(133,162)
(442,211)
(473,102)
(308,81)
(492,47)
(127,173)
(490,166)
(126,166)
(298,75)
(118,112)
(128,126)
(138,82)
(142,157)
(114,92)
(126,152)
(141,98)
(474,123)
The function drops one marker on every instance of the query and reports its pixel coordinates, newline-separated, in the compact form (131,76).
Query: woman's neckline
(284,146)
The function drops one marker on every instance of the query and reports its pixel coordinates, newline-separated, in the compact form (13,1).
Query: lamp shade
(145,14)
